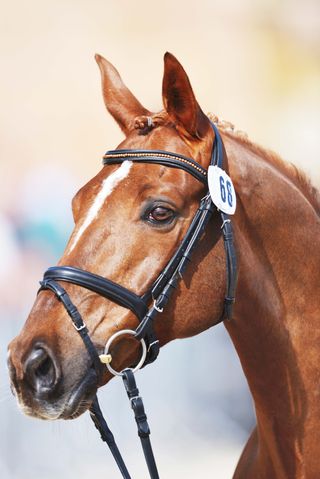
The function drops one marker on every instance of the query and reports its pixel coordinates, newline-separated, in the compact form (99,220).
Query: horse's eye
(160,214)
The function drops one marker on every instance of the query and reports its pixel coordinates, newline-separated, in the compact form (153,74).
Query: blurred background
(255,63)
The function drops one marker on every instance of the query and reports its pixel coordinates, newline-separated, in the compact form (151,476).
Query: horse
(131,218)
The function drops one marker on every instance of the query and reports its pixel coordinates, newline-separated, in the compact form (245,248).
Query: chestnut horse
(129,220)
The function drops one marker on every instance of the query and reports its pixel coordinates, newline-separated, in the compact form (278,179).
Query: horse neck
(275,326)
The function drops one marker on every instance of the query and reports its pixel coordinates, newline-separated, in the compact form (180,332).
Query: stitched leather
(165,158)
(105,287)
(107,436)
(77,320)
(141,420)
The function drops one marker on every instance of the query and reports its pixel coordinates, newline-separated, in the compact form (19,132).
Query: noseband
(158,295)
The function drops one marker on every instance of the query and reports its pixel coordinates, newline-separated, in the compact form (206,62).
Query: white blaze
(107,187)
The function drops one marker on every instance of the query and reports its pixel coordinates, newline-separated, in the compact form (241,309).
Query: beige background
(253,62)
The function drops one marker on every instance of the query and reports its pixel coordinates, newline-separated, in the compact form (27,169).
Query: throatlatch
(158,295)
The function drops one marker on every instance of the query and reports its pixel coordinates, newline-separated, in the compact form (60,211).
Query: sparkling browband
(157,156)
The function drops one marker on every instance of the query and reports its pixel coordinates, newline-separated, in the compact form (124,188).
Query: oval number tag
(221,190)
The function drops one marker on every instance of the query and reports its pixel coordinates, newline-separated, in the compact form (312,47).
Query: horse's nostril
(41,371)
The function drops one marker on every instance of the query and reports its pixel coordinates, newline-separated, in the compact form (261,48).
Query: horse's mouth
(69,406)
(81,397)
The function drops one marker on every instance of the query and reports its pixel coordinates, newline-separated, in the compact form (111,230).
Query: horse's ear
(120,102)
(180,102)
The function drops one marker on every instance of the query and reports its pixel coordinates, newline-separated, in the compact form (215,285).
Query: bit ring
(116,335)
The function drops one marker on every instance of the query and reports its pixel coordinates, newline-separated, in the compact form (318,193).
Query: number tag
(221,190)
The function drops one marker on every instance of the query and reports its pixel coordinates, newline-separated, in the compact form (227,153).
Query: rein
(159,293)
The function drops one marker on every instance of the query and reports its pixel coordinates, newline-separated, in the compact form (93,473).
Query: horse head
(129,220)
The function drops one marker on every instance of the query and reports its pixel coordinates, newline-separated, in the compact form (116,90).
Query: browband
(173,160)
(157,156)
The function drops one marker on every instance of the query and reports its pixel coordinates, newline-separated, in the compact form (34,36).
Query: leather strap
(231,265)
(108,289)
(107,436)
(102,286)
(165,158)
(169,278)
(95,411)
(141,420)
(76,318)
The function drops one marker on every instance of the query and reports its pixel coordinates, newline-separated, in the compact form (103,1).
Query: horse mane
(298,177)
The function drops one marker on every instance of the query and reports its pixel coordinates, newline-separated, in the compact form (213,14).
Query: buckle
(160,310)
(79,328)
(224,222)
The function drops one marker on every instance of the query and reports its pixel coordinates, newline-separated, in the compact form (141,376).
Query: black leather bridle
(159,293)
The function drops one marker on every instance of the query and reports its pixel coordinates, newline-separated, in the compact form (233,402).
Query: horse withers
(130,220)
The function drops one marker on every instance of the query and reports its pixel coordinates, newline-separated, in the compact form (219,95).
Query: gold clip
(105,358)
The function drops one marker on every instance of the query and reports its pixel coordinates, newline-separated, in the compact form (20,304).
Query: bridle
(158,295)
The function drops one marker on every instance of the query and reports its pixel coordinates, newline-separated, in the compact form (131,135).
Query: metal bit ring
(116,335)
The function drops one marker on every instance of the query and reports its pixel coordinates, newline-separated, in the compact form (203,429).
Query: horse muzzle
(43,390)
